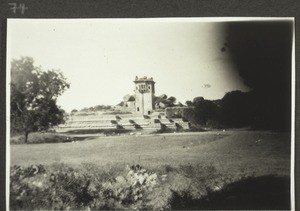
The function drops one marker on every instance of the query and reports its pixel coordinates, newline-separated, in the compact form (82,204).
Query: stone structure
(129,103)
(154,122)
(144,95)
(141,114)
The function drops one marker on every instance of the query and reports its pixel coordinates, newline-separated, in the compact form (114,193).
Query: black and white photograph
(150,114)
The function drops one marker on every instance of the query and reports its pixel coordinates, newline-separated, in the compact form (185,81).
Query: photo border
(150,9)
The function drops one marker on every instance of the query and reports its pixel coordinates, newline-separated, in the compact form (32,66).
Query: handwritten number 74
(15,7)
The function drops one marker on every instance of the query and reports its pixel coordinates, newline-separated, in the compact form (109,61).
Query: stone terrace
(156,121)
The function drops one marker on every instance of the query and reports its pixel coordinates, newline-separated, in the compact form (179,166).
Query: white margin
(8,57)
(188,19)
(293,100)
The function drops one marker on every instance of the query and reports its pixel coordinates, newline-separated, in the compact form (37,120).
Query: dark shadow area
(157,121)
(114,122)
(164,129)
(261,51)
(179,128)
(120,127)
(118,118)
(256,193)
(136,125)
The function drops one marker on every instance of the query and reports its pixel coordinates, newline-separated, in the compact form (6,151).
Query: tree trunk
(26,136)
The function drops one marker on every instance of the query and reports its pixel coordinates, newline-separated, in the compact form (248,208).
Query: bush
(67,188)
(64,187)
(36,138)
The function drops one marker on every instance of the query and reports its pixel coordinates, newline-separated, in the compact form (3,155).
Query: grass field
(258,152)
(192,162)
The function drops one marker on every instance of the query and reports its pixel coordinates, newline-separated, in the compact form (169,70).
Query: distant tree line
(236,109)
(163,101)
(93,108)
(261,53)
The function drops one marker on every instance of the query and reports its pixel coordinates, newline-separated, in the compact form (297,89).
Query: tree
(197,100)
(205,110)
(189,103)
(33,97)
(261,53)
(172,100)
(237,109)
(85,109)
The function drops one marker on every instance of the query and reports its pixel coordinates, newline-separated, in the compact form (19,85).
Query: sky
(101,57)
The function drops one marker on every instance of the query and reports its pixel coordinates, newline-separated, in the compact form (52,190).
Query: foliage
(189,103)
(164,102)
(172,100)
(199,112)
(67,188)
(37,138)
(33,97)
(101,107)
(96,108)
(264,64)
(205,110)
(117,112)
(235,110)
(64,187)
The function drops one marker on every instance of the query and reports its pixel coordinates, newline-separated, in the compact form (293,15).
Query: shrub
(64,187)
(35,138)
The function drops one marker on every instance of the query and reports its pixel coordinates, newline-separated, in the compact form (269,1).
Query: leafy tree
(189,103)
(98,107)
(198,100)
(172,100)
(33,97)
(202,111)
(206,110)
(85,109)
(237,109)
(261,53)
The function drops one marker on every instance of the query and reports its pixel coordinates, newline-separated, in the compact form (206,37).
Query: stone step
(156,120)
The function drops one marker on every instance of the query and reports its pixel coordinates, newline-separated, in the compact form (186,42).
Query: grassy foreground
(258,152)
(211,170)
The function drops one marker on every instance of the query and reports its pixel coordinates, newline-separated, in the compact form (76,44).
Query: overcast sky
(100,58)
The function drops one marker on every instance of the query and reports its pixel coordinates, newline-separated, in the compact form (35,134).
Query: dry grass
(260,153)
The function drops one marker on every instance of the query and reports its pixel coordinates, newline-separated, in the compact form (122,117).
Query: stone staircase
(155,121)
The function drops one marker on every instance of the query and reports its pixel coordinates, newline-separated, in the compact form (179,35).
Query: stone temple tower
(144,95)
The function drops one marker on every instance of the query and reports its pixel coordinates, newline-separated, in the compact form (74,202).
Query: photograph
(150,113)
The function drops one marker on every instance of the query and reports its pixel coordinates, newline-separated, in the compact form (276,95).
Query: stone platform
(155,121)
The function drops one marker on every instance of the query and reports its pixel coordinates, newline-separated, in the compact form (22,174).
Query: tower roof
(143,79)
